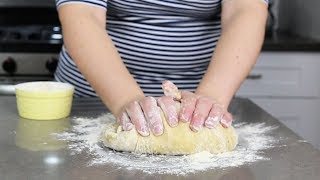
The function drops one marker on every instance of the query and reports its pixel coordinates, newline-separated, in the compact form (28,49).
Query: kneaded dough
(178,140)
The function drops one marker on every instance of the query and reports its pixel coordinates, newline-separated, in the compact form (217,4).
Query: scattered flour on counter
(86,133)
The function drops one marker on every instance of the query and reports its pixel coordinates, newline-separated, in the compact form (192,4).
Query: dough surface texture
(178,140)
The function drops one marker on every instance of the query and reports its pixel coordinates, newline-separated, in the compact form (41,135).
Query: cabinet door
(278,74)
(300,115)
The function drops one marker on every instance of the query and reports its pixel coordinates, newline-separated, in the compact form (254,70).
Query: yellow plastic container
(44,100)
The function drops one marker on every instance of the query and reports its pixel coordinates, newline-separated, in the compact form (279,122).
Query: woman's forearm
(95,55)
(236,52)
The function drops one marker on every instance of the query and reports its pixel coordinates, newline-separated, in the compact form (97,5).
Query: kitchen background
(285,81)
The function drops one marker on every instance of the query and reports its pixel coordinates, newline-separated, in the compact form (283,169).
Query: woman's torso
(157,40)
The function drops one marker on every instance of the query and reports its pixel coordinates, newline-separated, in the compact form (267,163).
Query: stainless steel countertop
(296,160)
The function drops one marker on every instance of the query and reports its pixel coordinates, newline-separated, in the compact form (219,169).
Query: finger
(215,116)
(200,113)
(152,115)
(168,106)
(170,89)
(188,104)
(226,120)
(125,122)
(177,105)
(137,118)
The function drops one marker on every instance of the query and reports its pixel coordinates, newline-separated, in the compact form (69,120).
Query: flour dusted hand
(202,111)
(144,115)
(198,111)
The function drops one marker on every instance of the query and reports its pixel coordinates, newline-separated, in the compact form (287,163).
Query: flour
(44,86)
(85,136)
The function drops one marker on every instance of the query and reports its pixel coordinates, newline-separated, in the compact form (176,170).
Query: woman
(123,50)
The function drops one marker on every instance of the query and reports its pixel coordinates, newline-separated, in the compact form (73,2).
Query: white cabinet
(287,85)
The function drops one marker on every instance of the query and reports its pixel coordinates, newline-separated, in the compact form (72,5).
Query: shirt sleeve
(98,3)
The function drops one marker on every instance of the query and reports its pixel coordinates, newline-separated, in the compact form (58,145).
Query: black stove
(29,29)
(30,38)
(30,41)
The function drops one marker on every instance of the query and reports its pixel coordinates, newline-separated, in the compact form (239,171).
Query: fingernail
(195,128)
(157,130)
(173,121)
(212,122)
(144,131)
(225,123)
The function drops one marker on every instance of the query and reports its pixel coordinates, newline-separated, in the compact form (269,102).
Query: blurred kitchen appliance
(27,3)
(30,40)
(273,18)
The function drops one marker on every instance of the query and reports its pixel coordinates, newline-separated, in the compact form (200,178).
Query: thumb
(170,89)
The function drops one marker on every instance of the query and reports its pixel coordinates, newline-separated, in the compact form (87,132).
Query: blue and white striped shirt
(157,40)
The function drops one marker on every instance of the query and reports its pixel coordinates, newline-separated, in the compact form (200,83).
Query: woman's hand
(198,110)
(202,111)
(145,115)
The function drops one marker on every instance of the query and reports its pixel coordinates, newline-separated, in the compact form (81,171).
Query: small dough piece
(179,140)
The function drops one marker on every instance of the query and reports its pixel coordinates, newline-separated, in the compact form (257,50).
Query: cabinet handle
(254,76)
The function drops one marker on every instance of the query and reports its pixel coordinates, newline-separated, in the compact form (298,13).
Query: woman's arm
(243,27)
(85,38)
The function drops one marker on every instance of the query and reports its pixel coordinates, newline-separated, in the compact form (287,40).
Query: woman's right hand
(145,115)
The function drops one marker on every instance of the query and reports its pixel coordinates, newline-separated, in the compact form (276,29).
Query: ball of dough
(178,140)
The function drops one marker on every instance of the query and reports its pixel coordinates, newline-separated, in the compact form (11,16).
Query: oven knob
(9,65)
(52,64)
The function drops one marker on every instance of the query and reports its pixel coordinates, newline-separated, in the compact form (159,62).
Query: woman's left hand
(200,111)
